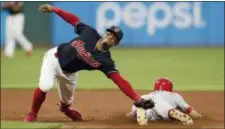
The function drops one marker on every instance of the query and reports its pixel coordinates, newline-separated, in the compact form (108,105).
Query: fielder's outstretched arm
(68,17)
(124,86)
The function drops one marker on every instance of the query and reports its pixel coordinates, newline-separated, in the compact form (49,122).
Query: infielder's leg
(48,73)
(10,40)
(66,88)
(19,35)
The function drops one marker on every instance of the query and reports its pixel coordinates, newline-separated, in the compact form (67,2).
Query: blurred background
(181,40)
(144,23)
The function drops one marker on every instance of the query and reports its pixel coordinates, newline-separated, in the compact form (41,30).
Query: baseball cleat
(31,117)
(28,53)
(72,113)
(141,117)
(184,118)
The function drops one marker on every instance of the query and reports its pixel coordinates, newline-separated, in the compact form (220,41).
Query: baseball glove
(46,8)
(145,104)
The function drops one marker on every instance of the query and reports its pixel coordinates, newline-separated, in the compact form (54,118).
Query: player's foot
(141,117)
(28,53)
(184,118)
(31,117)
(71,113)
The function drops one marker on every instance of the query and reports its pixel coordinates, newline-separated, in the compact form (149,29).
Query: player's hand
(46,8)
(146,104)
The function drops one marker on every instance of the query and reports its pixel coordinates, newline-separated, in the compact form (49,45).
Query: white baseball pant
(66,82)
(14,32)
(159,112)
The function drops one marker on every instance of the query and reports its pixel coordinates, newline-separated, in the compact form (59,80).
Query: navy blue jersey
(80,53)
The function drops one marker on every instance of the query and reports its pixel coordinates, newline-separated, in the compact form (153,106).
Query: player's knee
(45,87)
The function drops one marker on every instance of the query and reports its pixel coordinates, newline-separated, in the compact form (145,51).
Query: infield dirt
(107,109)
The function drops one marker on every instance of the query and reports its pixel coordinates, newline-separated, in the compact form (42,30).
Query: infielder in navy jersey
(88,51)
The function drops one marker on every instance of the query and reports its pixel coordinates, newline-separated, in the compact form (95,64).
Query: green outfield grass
(22,125)
(189,68)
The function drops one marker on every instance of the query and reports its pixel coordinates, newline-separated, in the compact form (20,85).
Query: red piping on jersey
(124,85)
(68,17)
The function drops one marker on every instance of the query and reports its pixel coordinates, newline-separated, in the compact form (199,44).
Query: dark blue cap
(116,31)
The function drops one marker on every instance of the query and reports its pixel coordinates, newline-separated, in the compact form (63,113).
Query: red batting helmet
(164,84)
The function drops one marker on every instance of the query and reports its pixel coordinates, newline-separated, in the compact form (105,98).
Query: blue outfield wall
(3,21)
(144,23)
(148,23)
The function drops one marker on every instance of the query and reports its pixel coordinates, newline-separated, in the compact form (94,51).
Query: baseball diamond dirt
(107,109)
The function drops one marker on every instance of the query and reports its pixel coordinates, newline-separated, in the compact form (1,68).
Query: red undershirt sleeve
(68,17)
(124,85)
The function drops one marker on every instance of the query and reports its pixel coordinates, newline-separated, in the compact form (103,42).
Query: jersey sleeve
(81,27)
(180,102)
(108,66)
